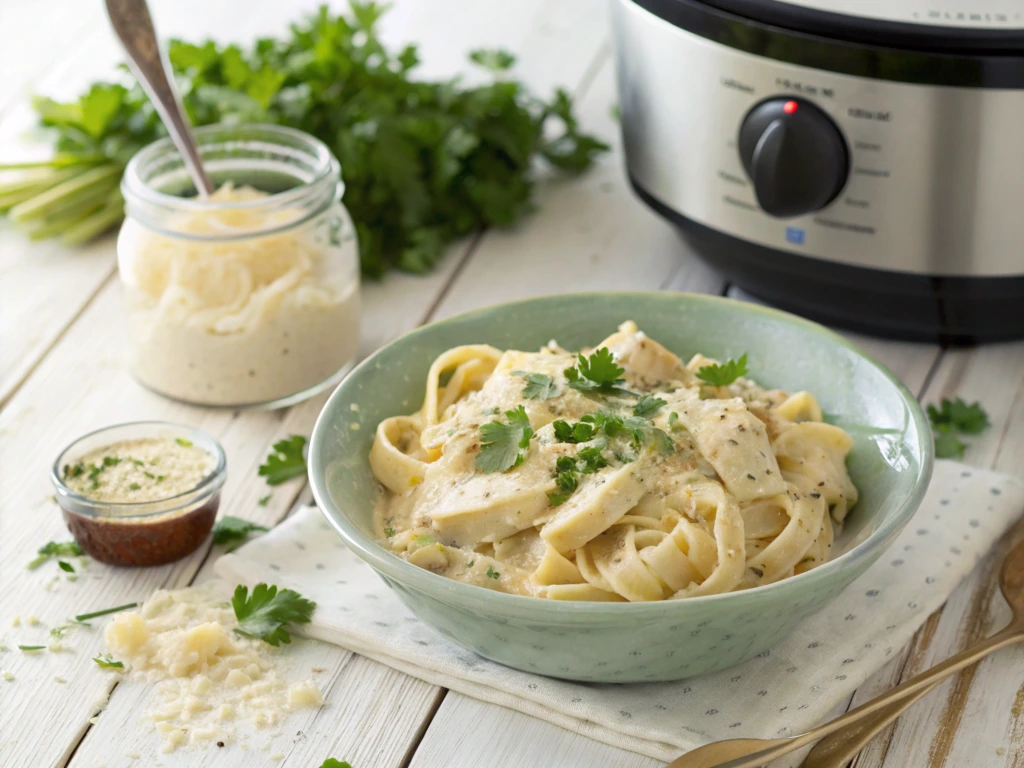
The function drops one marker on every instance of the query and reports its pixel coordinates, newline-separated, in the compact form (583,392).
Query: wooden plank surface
(62,368)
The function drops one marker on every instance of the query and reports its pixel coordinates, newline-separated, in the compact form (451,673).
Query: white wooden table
(62,372)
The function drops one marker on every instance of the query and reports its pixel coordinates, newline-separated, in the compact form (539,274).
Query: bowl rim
(455,592)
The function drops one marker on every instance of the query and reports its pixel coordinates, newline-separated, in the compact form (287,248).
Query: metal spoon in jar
(134,28)
(854,729)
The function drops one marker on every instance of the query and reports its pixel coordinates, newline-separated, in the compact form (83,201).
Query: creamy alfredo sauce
(657,485)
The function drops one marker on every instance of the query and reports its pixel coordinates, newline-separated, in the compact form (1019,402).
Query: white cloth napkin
(785,691)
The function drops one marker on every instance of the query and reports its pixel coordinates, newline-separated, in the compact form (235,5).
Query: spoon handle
(133,26)
(847,735)
(837,749)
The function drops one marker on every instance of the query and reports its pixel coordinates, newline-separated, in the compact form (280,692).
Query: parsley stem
(87,616)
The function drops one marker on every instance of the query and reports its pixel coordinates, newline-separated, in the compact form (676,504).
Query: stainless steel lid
(954,27)
(969,14)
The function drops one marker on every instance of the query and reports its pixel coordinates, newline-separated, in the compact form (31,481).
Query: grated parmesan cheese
(207,678)
(132,471)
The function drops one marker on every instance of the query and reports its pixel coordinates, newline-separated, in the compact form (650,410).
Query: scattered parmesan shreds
(1001,751)
(58,679)
(32,621)
(8,676)
(16,621)
(205,676)
(277,757)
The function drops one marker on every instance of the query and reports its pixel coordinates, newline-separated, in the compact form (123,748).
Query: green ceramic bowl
(633,642)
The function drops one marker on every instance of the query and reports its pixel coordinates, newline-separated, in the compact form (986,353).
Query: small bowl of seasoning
(143,493)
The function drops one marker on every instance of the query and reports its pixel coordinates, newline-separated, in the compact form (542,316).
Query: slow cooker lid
(953,26)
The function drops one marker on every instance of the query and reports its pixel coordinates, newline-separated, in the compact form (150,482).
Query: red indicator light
(790,107)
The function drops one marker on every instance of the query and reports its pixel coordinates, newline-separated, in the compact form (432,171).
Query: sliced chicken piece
(602,498)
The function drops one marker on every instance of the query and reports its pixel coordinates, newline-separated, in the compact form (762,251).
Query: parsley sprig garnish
(425,160)
(952,419)
(724,374)
(586,462)
(55,549)
(106,661)
(265,614)
(502,445)
(230,529)
(638,430)
(539,386)
(598,374)
(285,461)
(648,406)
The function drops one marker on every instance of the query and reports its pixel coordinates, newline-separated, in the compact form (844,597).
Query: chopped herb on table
(725,374)
(952,419)
(423,162)
(285,461)
(500,444)
(265,614)
(106,661)
(31,648)
(331,762)
(65,566)
(230,529)
(55,549)
(84,617)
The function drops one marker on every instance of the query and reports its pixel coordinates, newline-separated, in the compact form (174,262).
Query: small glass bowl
(147,532)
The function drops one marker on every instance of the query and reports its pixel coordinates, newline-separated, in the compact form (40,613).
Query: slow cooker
(860,162)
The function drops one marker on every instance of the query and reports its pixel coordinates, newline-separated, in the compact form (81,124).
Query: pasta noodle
(530,474)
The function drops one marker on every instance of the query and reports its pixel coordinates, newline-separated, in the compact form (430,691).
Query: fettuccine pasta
(619,474)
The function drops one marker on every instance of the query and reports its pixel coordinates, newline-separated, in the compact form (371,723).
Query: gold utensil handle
(838,748)
(858,726)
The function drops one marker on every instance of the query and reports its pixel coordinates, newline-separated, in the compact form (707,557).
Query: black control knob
(795,156)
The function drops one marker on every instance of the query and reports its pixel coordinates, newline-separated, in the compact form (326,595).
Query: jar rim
(209,484)
(325,170)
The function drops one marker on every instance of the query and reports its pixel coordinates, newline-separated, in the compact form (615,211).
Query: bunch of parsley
(423,162)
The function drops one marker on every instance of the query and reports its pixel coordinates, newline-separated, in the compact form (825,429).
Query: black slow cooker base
(899,305)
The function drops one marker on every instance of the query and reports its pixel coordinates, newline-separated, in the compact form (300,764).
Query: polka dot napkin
(788,691)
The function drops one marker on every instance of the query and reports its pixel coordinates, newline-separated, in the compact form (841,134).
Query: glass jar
(249,297)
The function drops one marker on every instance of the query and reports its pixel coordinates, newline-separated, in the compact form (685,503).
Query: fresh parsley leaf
(389,531)
(952,419)
(725,374)
(285,461)
(65,566)
(647,406)
(265,614)
(229,529)
(947,445)
(424,162)
(496,60)
(539,386)
(958,415)
(106,661)
(597,374)
(580,432)
(330,762)
(589,460)
(183,442)
(55,549)
(673,417)
(264,500)
(640,432)
(501,443)
(491,573)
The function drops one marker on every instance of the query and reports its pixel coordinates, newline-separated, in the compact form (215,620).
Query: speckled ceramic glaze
(633,642)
